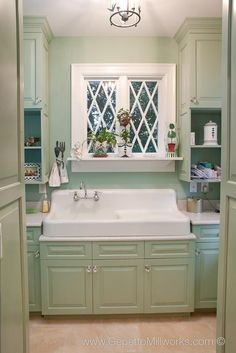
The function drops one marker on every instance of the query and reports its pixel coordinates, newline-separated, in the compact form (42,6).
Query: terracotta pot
(171,147)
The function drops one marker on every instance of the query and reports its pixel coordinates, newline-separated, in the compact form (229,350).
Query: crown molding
(36,25)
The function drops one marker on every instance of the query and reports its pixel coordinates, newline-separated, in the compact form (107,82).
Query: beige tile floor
(192,334)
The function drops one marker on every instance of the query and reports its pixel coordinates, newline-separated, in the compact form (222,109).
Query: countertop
(204,218)
(35,219)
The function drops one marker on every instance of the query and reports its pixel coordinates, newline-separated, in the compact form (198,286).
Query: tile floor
(192,334)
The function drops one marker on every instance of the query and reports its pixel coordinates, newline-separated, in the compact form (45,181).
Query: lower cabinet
(169,286)
(206,268)
(34,277)
(206,275)
(66,287)
(117,278)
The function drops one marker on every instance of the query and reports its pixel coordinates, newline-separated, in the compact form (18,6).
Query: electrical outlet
(42,189)
(204,187)
(193,186)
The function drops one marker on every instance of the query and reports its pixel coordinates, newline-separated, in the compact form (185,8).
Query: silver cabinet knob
(38,100)
(194,100)
(147,268)
(37,254)
(197,252)
(95,269)
(89,268)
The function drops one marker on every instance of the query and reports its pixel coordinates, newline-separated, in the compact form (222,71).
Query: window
(147,90)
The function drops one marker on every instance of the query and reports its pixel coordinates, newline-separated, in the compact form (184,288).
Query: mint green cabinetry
(37,36)
(34,278)
(118,286)
(117,277)
(169,277)
(200,95)
(199,64)
(206,270)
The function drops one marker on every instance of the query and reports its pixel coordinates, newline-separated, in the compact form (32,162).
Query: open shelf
(205,146)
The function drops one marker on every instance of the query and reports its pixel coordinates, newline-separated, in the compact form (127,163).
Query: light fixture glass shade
(125,13)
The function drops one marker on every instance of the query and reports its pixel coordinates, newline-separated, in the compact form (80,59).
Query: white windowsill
(118,164)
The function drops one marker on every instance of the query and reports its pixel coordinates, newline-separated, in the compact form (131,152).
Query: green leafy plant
(125,135)
(103,135)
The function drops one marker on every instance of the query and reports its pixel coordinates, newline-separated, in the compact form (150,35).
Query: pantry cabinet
(206,269)
(112,277)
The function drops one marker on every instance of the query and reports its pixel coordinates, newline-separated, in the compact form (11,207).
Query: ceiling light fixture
(125,13)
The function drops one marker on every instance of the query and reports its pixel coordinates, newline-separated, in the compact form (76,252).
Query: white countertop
(35,219)
(206,218)
(124,238)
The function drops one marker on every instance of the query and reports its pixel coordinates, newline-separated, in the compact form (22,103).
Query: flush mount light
(125,13)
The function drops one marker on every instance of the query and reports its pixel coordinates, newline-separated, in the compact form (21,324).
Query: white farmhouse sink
(119,212)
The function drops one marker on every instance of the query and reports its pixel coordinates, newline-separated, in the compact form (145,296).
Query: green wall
(63,52)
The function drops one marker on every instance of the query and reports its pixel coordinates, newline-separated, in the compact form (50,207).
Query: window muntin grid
(101,107)
(143,95)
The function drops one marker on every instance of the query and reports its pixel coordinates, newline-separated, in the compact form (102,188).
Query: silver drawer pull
(89,269)
(37,254)
(147,268)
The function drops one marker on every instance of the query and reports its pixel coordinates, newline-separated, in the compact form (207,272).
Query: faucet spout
(83,187)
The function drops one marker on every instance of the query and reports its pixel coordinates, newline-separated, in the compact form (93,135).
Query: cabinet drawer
(66,250)
(206,232)
(164,249)
(33,234)
(118,250)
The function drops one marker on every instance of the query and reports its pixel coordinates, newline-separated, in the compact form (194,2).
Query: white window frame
(80,73)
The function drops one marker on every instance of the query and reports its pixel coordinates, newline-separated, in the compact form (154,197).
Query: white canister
(192,138)
(210,133)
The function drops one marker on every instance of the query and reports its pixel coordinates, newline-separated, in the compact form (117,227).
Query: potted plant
(124,146)
(102,140)
(172,140)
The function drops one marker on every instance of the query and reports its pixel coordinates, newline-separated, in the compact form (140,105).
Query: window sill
(118,164)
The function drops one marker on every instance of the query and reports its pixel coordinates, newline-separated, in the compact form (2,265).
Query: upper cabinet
(199,63)
(37,36)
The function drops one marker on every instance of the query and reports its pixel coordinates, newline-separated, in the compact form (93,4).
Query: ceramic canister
(210,133)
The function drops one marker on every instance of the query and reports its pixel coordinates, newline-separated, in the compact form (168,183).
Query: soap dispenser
(45,205)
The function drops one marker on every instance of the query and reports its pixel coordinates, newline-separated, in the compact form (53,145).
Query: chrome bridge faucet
(77,197)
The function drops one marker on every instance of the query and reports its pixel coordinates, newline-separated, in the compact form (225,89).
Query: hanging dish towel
(54,179)
(63,173)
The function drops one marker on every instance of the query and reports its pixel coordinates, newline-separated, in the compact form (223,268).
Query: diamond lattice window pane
(144,111)
(101,106)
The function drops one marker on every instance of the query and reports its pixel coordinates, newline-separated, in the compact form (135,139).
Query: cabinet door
(34,279)
(118,286)
(184,147)
(33,70)
(205,83)
(206,275)
(184,76)
(169,285)
(66,287)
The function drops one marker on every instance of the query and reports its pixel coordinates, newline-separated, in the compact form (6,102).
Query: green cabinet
(34,278)
(199,64)
(66,287)
(37,36)
(169,277)
(199,43)
(206,270)
(112,277)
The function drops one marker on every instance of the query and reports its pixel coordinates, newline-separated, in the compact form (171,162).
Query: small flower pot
(171,147)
